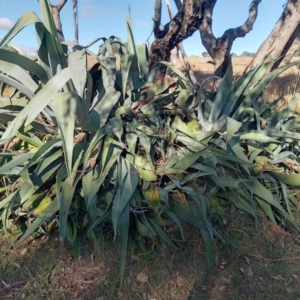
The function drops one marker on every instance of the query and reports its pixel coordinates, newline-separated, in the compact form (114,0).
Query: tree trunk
(182,26)
(193,15)
(283,40)
(175,55)
(219,48)
(55,10)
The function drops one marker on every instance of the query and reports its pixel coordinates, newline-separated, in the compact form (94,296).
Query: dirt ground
(265,266)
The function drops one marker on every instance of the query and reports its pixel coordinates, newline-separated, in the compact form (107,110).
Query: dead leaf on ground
(142,277)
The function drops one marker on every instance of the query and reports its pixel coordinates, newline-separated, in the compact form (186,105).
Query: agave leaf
(30,139)
(14,71)
(143,57)
(159,232)
(125,61)
(43,151)
(253,94)
(279,134)
(65,191)
(260,191)
(47,213)
(98,116)
(179,125)
(64,106)
(258,137)
(95,143)
(19,160)
(289,179)
(108,64)
(186,162)
(174,218)
(124,232)
(25,63)
(126,183)
(26,19)
(54,47)
(36,105)
(46,168)
(170,66)
(17,85)
(222,94)
(232,127)
(266,207)
(116,124)
(189,218)
(241,202)
(78,66)
(92,181)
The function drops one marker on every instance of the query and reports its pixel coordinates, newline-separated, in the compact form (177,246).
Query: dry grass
(266,266)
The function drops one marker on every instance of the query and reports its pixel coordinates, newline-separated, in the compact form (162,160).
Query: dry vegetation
(265,266)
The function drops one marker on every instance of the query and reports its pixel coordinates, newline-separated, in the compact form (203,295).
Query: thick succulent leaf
(47,168)
(125,185)
(17,85)
(43,151)
(25,63)
(78,66)
(124,232)
(18,161)
(65,190)
(233,126)
(64,106)
(37,104)
(289,179)
(258,137)
(49,211)
(255,92)
(26,19)
(30,139)
(222,95)
(92,181)
(98,116)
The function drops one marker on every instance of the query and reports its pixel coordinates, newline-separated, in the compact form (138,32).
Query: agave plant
(124,150)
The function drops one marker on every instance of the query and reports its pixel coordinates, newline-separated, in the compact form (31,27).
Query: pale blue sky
(103,18)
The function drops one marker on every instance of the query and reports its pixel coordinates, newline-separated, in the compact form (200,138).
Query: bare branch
(75,15)
(182,26)
(174,56)
(157,19)
(242,30)
(178,4)
(55,10)
(61,4)
(209,41)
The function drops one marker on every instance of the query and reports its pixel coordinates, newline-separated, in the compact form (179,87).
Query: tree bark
(55,10)
(283,40)
(75,14)
(219,48)
(175,57)
(193,15)
(182,26)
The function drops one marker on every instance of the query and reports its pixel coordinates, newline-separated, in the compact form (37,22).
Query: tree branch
(61,4)
(209,41)
(158,33)
(174,53)
(242,30)
(55,10)
(178,4)
(182,26)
